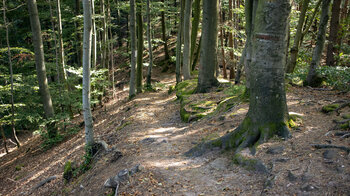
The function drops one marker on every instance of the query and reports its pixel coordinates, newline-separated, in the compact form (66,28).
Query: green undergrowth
(196,106)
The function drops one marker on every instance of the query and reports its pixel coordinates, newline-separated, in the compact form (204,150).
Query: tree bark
(208,59)
(3,136)
(164,36)
(195,26)
(179,43)
(224,71)
(294,50)
(333,34)
(312,78)
(104,36)
(186,69)
(60,41)
(94,36)
(139,74)
(89,132)
(133,48)
(11,75)
(149,71)
(267,114)
(39,59)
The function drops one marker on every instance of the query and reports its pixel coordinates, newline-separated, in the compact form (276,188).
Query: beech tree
(133,48)
(89,132)
(208,59)
(164,37)
(312,77)
(268,113)
(179,42)
(150,65)
(40,61)
(333,33)
(186,69)
(139,74)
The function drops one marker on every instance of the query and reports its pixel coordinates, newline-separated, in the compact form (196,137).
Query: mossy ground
(197,106)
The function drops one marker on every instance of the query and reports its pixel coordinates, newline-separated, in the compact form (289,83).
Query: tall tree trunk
(224,71)
(179,42)
(230,39)
(139,74)
(197,53)
(268,114)
(61,54)
(104,37)
(149,72)
(195,27)
(311,21)
(11,75)
(110,46)
(333,34)
(39,59)
(133,48)
(89,132)
(240,65)
(312,78)
(164,36)
(208,59)
(294,50)
(186,69)
(78,34)
(94,36)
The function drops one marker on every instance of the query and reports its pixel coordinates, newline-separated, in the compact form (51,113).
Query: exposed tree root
(319,146)
(247,135)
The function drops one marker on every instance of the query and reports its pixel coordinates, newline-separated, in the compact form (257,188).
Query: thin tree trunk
(197,53)
(133,48)
(186,69)
(311,21)
(295,49)
(111,41)
(94,36)
(89,132)
(333,34)
(208,59)
(104,37)
(11,75)
(139,74)
(60,41)
(164,36)
(39,59)
(224,71)
(179,43)
(240,65)
(195,27)
(230,36)
(149,72)
(312,78)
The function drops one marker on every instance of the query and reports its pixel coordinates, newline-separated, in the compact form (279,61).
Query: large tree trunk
(333,33)
(149,71)
(208,59)
(11,75)
(186,69)
(294,50)
(195,27)
(89,132)
(164,36)
(312,78)
(133,48)
(139,74)
(224,71)
(39,59)
(179,43)
(267,114)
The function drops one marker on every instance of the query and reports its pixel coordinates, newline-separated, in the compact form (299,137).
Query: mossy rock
(330,108)
(186,87)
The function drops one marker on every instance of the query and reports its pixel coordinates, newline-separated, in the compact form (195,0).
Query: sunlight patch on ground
(170,98)
(162,130)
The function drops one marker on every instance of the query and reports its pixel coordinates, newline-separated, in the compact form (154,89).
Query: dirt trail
(148,131)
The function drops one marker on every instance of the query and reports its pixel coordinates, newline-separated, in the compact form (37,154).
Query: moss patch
(330,108)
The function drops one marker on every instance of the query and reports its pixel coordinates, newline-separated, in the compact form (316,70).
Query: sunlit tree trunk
(11,75)
(60,41)
(333,34)
(39,59)
(179,43)
(150,52)
(104,37)
(79,48)
(295,49)
(186,69)
(208,59)
(312,77)
(89,132)
(94,36)
(139,74)
(133,48)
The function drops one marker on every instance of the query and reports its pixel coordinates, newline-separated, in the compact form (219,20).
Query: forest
(175,97)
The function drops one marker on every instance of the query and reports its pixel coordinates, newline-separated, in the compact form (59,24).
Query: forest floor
(148,131)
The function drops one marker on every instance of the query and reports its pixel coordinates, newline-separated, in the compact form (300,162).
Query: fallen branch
(41,183)
(345,136)
(342,106)
(319,146)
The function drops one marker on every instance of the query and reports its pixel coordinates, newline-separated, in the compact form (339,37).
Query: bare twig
(319,146)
